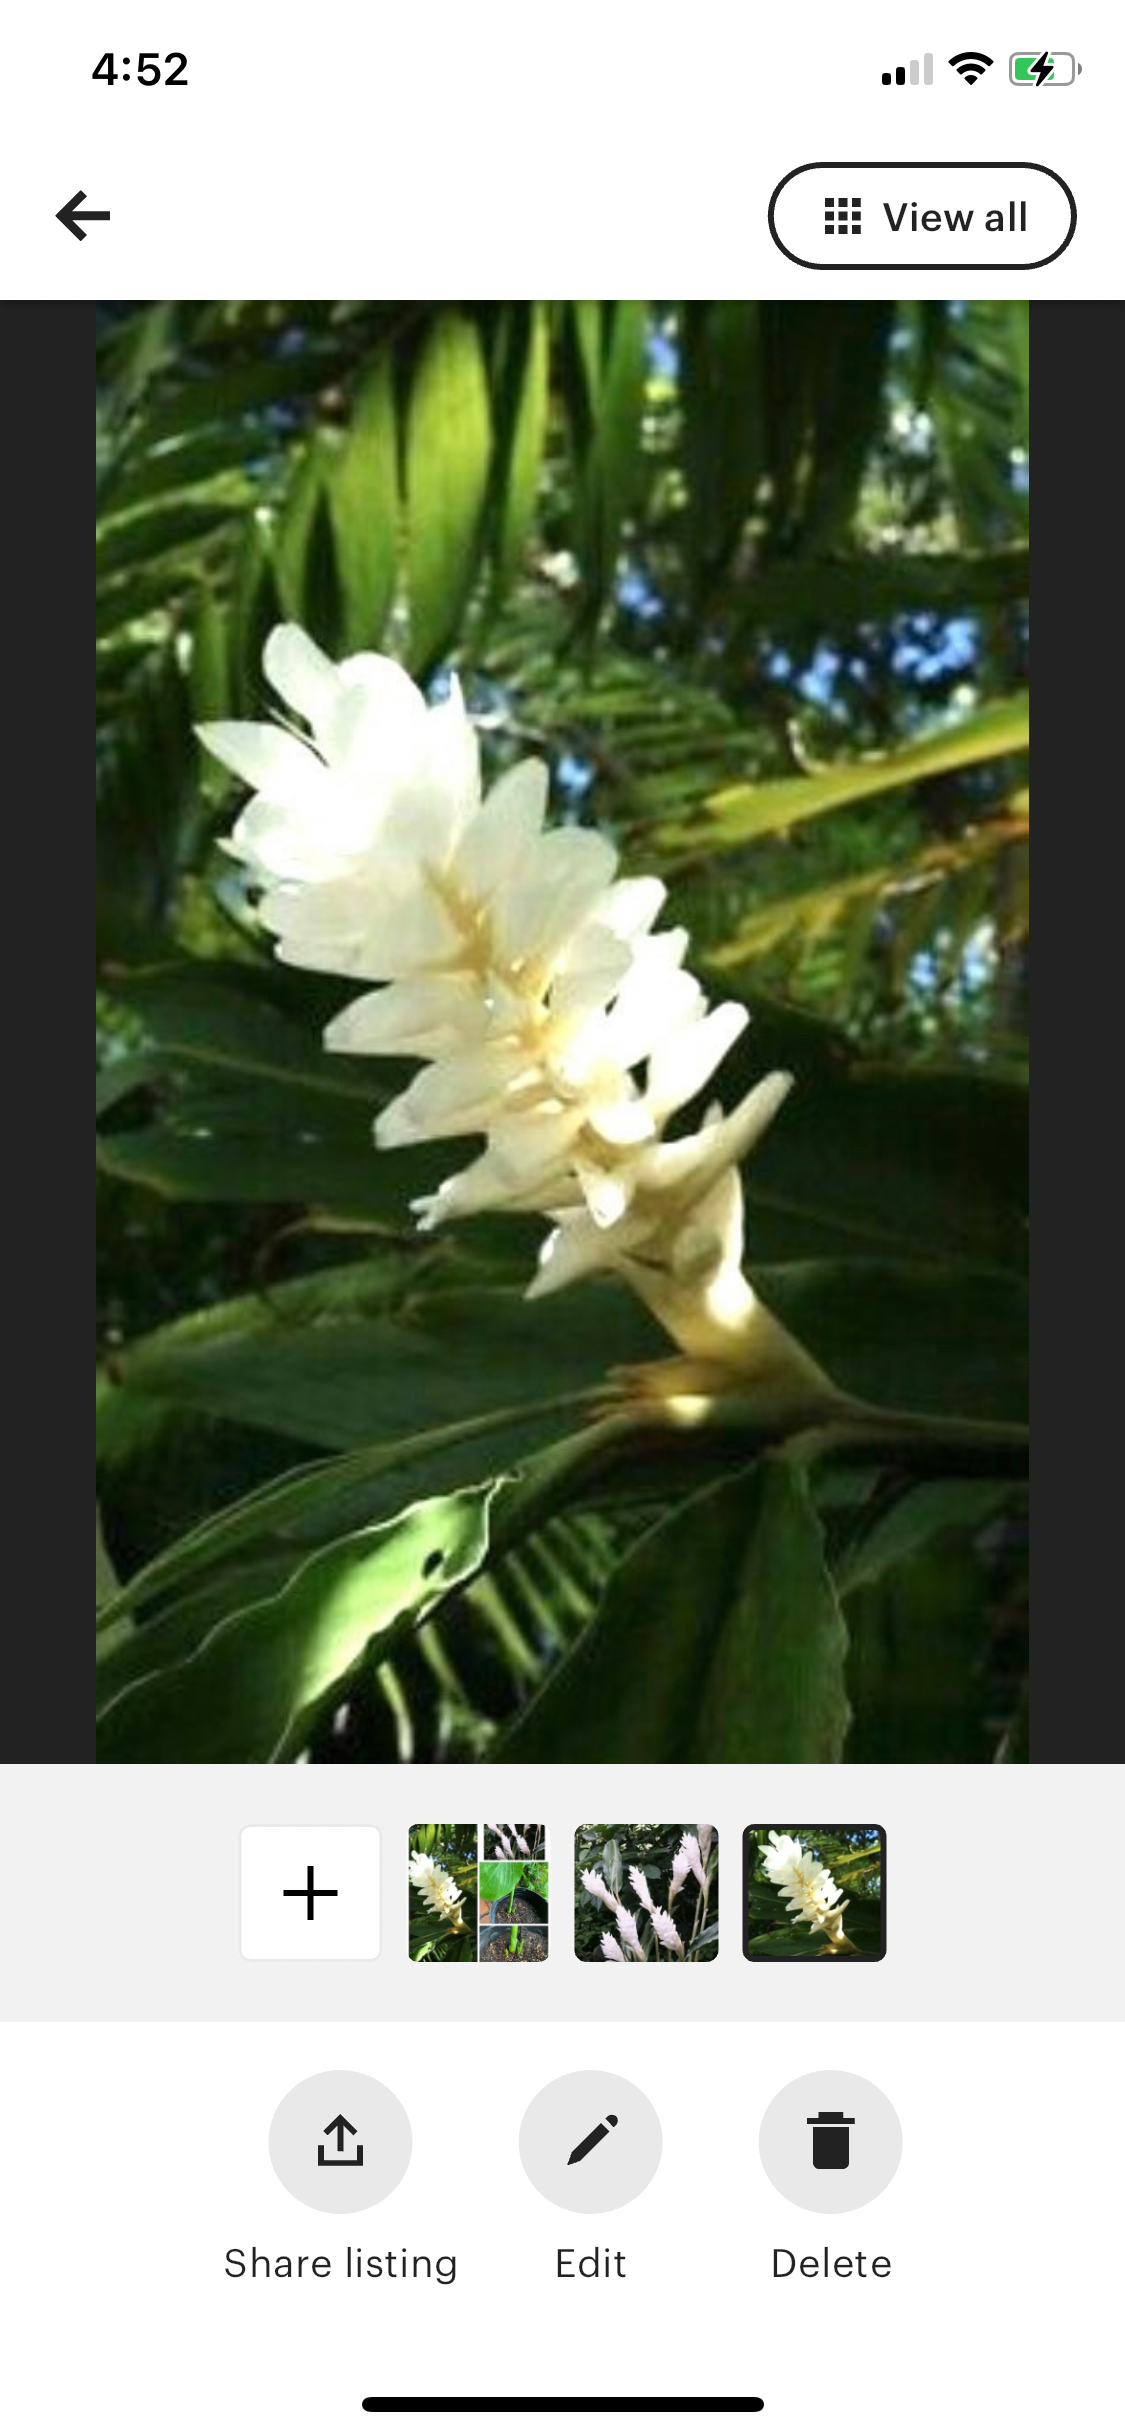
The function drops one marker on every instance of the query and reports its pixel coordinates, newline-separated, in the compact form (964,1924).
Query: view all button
(922,215)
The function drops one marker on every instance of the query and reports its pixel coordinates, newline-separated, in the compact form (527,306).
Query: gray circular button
(830,2142)
(590,2142)
(340,2142)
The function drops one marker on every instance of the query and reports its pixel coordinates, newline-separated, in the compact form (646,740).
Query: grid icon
(841,217)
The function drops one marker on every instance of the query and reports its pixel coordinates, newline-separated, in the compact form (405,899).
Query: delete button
(922,215)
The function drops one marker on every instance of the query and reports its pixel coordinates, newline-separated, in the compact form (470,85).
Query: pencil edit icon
(601,2131)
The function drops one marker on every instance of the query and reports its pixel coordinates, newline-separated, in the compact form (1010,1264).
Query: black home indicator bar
(562,2402)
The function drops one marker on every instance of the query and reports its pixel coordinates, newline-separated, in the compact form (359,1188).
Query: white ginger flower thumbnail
(439,1892)
(610,1947)
(550,1016)
(595,1884)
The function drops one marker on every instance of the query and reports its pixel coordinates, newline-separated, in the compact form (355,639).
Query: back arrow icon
(71,216)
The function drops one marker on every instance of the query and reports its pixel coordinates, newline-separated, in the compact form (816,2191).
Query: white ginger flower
(779,1855)
(667,1932)
(503,1850)
(627,1923)
(523,1843)
(641,1887)
(595,1884)
(809,1888)
(550,1018)
(439,1892)
(610,1948)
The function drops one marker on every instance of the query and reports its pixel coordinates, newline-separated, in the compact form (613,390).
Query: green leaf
(870,1158)
(1015,1742)
(724,438)
(183,1625)
(499,1879)
(261,1678)
(613,1865)
(522,409)
(257,608)
(200,401)
(300,1501)
(817,596)
(605,398)
(429,1935)
(252,1108)
(150,533)
(208,671)
(364,505)
(915,1517)
(848,364)
(448,447)
(719,1638)
(926,1336)
(368,1353)
(734,815)
(920,1658)
(783,1945)
(933,894)
(305,553)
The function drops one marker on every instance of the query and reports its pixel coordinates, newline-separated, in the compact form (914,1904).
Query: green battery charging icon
(1037,68)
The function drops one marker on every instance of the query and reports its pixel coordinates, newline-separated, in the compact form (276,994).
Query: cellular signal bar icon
(899,76)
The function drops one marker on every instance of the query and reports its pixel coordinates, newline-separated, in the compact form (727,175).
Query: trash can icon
(831,2141)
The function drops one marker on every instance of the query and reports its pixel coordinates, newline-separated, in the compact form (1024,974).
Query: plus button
(310,1894)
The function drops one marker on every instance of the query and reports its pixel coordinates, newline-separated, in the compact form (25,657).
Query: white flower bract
(689,1849)
(627,1923)
(641,1887)
(667,1931)
(550,1017)
(681,1869)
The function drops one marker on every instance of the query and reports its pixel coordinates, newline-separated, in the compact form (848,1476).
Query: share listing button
(922,215)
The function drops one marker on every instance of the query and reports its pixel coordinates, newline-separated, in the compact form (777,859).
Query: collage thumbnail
(478,1893)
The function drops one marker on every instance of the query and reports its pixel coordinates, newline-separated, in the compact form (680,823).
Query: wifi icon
(970,64)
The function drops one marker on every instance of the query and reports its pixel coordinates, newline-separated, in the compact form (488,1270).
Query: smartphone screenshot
(562,1015)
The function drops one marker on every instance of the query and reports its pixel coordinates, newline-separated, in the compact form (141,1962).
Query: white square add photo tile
(310,1894)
